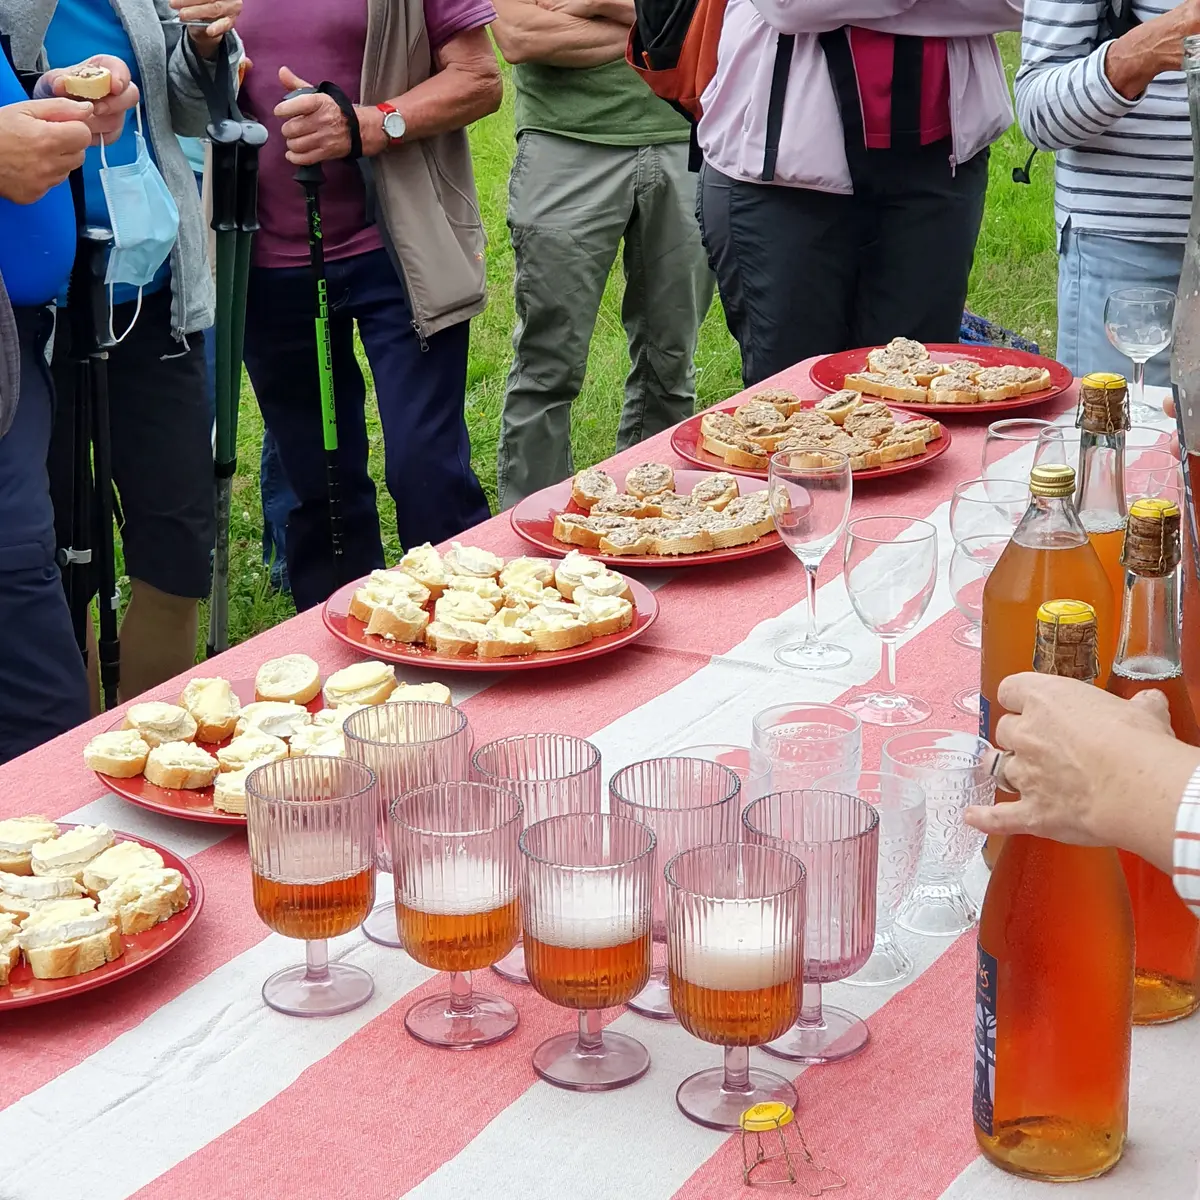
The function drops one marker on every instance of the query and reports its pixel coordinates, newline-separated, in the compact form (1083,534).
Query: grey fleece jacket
(171,104)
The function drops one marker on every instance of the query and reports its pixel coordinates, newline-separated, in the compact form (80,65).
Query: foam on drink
(455,886)
(584,912)
(737,946)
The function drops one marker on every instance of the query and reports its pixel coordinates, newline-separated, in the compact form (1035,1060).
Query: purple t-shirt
(319,40)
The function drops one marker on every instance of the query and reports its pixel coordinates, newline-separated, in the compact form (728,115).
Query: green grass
(1013,282)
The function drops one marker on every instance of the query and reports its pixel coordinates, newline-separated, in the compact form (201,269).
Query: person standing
(600,160)
(1116,112)
(845,149)
(410,273)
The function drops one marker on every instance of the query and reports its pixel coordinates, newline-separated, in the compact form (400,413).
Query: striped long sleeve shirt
(1123,167)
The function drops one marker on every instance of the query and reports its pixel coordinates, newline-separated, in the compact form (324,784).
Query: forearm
(448,100)
(1139,813)
(528,33)
(820,16)
(621,11)
(1142,54)
(951,18)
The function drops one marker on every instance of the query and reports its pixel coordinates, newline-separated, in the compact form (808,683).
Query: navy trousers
(43,685)
(421,396)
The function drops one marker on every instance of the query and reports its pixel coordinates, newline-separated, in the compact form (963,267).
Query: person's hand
(1150,49)
(108,114)
(41,143)
(220,15)
(313,126)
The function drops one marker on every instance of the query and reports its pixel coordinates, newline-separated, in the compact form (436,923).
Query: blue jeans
(421,394)
(1091,266)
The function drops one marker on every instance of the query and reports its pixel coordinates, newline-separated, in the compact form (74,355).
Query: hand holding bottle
(1091,769)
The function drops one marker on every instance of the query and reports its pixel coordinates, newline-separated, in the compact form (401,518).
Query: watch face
(393,125)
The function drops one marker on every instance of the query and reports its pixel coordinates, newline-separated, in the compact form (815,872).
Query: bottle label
(985,1040)
(985,717)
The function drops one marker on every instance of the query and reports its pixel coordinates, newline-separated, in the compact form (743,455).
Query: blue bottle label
(985,717)
(985,1041)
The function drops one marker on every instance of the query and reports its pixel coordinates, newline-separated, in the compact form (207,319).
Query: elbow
(491,94)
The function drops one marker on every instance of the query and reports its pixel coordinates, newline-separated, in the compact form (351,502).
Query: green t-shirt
(610,104)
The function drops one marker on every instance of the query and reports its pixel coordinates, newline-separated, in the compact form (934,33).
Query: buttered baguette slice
(294,677)
(69,937)
(398,620)
(122,859)
(141,899)
(158,722)
(213,706)
(229,791)
(326,740)
(605,614)
(278,718)
(425,565)
(252,749)
(181,765)
(18,836)
(360,683)
(431,693)
(67,854)
(10,947)
(21,895)
(120,753)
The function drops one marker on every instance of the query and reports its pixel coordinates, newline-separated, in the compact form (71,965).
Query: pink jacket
(732,130)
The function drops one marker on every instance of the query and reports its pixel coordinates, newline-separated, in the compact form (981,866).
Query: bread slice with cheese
(398,620)
(229,791)
(558,626)
(455,639)
(144,898)
(335,718)
(276,718)
(360,683)
(425,565)
(293,678)
(471,560)
(10,947)
(158,722)
(605,614)
(69,853)
(181,765)
(120,753)
(21,895)
(69,937)
(502,638)
(520,570)
(107,867)
(573,568)
(327,740)
(381,587)
(213,706)
(428,693)
(480,587)
(252,749)
(604,583)
(18,836)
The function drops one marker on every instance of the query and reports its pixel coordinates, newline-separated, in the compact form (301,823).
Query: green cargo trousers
(570,205)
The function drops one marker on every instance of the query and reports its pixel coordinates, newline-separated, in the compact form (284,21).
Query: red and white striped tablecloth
(180,1083)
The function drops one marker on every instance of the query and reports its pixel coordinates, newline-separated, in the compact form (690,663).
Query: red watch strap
(386,108)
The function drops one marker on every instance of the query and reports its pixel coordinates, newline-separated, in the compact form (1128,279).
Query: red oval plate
(191,804)
(685,441)
(352,631)
(533,521)
(829,374)
(141,949)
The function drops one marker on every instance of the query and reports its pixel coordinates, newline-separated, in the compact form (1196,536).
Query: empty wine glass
(1010,448)
(890,564)
(836,837)
(950,767)
(811,505)
(553,773)
(987,506)
(1138,323)
(900,804)
(794,745)
(311,824)
(970,565)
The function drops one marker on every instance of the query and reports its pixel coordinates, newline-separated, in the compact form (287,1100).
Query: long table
(179,1082)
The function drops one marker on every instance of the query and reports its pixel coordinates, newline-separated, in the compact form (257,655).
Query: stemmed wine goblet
(811,505)
(311,825)
(891,567)
(836,837)
(794,745)
(585,905)
(1010,449)
(735,939)
(970,565)
(980,507)
(1138,322)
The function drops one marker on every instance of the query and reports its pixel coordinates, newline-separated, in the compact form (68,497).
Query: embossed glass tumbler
(794,745)
(457,870)
(735,935)
(311,828)
(836,837)
(585,905)
(408,745)
(686,802)
(553,774)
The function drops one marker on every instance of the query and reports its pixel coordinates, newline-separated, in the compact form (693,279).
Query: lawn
(1013,282)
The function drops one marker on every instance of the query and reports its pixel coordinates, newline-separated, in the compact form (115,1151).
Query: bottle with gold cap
(1148,656)
(1103,421)
(1048,556)
(1054,980)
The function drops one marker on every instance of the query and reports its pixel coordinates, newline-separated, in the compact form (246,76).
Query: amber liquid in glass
(735,1018)
(1191,587)
(459,941)
(314,910)
(588,976)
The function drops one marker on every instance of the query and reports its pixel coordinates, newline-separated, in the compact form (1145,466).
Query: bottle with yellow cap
(1048,556)
(1054,980)
(1103,421)
(1148,656)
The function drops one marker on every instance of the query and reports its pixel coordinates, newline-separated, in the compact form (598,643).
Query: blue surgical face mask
(144,219)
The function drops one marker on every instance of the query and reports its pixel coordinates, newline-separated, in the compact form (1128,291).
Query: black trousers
(803,272)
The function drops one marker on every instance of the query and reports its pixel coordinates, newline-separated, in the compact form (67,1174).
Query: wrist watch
(393,123)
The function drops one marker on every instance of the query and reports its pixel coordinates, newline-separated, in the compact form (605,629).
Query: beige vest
(426,190)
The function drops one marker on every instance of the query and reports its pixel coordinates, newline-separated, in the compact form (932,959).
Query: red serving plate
(685,441)
(192,804)
(141,949)
(533,521)
(829,374)
(352,631)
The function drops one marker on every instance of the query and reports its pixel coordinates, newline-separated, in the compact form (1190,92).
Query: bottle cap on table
(1065,643)
(771,1114)
(1103,403)
(1052,479)
(1152,543)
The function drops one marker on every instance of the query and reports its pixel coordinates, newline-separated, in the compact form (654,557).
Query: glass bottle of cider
(1054,981)
(1168,935)
(1103,422)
